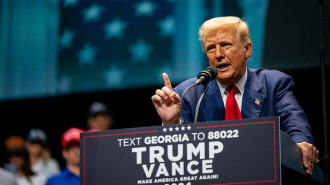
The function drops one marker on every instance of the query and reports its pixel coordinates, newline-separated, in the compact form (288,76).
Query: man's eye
(225,44)
(210,49)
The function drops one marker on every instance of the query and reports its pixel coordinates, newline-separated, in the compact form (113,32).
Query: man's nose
(219,51)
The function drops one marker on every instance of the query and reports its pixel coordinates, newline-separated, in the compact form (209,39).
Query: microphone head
(213,71)
(207,75)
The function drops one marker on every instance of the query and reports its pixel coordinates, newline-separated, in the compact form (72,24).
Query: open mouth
(222,66)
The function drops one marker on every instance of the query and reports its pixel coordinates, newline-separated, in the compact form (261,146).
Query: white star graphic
(189,127)
(177,128)
(146,8)
(66,38)
(166,26)
(114,76)
(67,3)
(64,84)
(164,129)
(140,51)
(92,13)
(183,128)
(115,28)
(170,129)
(87,54)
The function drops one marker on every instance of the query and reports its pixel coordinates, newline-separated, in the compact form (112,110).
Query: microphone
(205,76)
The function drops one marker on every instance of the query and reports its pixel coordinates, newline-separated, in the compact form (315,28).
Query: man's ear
(248,50)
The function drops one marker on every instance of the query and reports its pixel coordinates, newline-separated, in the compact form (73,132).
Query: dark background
(291,45)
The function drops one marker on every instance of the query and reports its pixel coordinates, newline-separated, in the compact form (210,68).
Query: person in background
(19,158)
(40,157)
(6,178)
(99,118)
(71,153)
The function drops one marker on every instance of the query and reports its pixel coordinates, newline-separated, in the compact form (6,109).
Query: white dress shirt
(238,95)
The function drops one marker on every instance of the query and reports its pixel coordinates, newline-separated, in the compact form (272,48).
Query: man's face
(72,155)
(100,122)
(225,51)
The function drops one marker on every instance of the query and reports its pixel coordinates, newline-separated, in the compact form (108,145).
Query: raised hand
(167,103)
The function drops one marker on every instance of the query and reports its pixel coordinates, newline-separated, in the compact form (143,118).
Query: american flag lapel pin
(257,101)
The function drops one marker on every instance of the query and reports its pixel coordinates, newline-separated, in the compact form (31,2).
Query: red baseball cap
(72,134)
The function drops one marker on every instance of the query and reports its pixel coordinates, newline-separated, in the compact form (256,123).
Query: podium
(292,167)
(248,151)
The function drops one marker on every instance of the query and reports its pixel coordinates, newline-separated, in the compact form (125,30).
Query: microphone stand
(199,102)
(322,50)
(184,92)
(204,77)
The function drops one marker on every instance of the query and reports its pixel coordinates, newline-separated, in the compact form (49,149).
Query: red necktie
(232,109)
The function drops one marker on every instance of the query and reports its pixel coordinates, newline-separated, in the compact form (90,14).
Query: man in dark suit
(237,92)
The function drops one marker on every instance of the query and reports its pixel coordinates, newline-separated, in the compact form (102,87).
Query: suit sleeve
(187,111)
(293,118)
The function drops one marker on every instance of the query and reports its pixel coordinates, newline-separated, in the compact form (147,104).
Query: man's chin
(225,80)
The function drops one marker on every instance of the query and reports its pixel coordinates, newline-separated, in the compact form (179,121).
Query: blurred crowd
(29,160)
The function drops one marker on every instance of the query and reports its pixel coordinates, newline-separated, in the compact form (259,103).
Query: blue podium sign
(211,153)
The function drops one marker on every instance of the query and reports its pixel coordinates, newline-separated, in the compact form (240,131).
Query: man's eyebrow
(208,45)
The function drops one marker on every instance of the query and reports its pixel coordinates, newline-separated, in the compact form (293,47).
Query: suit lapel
(212,106)
(253,97)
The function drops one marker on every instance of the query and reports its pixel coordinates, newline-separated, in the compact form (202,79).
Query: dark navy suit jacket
(267,93)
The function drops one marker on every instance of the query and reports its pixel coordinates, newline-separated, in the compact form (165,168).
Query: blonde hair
(241,26)
(45,155)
